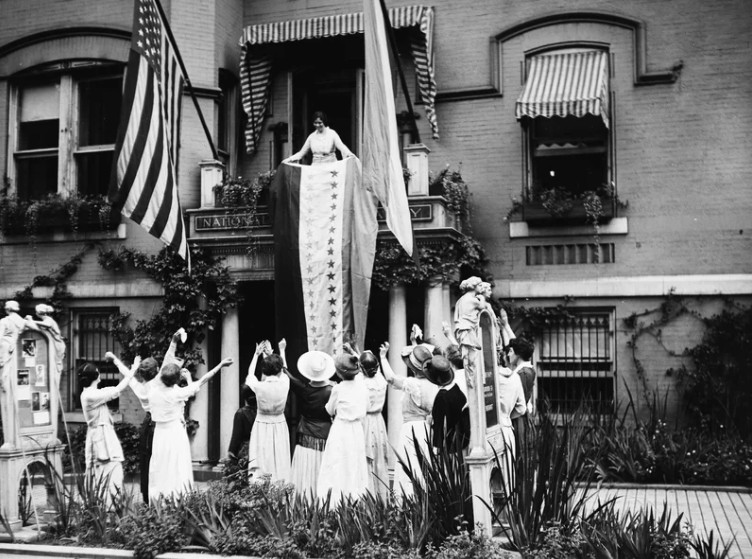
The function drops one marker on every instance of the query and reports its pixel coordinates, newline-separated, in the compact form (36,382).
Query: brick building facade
(672,143)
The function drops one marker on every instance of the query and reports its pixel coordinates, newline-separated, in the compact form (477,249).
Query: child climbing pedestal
(29,404)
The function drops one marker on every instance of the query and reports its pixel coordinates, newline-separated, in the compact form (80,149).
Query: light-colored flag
(382,168)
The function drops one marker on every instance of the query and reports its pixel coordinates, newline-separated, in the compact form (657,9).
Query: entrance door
(334,93)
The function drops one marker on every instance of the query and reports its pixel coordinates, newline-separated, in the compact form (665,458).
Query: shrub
(75,445)
(153,529)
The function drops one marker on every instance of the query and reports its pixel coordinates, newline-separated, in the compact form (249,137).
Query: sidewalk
(725,510)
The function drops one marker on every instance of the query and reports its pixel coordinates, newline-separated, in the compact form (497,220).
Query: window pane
(99,111)
(94,340)
(575,173)
(94,172)
(38,134)
(36,177)
(39,102)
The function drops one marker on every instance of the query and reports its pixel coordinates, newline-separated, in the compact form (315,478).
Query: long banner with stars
(325,240)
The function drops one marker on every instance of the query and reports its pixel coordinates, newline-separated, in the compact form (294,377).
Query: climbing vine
(57,279)
(194,301)
(448,259)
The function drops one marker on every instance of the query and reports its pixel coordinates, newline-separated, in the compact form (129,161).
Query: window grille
(576,362)
(580,253)
(93,338)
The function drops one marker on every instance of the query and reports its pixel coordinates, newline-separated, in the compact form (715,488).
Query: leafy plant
(709,548)
(549,478)
(196,301)
(69,213)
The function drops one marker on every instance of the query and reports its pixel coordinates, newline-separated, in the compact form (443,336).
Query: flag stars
(332,229)
(332,289)
(330,251)
(331,275)
(333,313)
(330,263)
(334,195)
(335,173)
(333,207)
(332,301)
(330,241)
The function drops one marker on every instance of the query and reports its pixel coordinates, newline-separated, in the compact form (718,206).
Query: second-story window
(66,120)
(564,110)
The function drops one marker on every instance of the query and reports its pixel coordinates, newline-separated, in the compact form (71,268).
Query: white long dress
(170,467)
(417,404)
(377,441)
(103,453)
(344,469)
(269,447)
(512,400)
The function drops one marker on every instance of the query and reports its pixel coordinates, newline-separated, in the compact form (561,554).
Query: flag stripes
(564,84)
(144,185)
(255,70)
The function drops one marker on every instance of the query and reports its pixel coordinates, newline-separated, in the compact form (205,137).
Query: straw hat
(417,358)
(316,365)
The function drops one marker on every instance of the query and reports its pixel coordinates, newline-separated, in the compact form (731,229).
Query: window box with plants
(560,206)
(71,214)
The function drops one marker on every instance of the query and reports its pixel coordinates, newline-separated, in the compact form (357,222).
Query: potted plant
(56,213)
(557,205)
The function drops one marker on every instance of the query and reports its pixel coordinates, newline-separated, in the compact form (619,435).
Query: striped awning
(566,84)
(256,69)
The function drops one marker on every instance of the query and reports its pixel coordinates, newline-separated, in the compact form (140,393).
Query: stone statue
(11,327)
(49,325)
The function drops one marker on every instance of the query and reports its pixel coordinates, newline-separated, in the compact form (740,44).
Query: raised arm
(208,376)
(282,345)
(506,330)
(448,333)
(387,370)
(125,371)
(250,378)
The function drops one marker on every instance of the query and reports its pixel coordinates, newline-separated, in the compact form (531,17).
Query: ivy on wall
(447,260)
(194,301)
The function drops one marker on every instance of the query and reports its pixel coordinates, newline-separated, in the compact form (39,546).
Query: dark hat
(347,366)
(439,371)
(417,358)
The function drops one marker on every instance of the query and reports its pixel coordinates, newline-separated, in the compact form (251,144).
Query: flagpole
(403,81)
(187,79)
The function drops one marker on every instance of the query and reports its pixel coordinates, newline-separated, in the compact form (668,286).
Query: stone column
(211,176)
(229,391)
(397,340)
(200,412)
(448,315)
(434,313)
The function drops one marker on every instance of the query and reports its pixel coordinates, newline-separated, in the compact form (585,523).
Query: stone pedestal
(230,388)
(397,340)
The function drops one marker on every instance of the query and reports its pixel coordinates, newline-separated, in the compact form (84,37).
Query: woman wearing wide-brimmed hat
(449,429)
(317,368)
(344,470)
(417,404)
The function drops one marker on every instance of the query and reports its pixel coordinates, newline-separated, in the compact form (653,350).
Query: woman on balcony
(321,143)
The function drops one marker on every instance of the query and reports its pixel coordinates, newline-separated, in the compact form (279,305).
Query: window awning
(256,69)
(566,84)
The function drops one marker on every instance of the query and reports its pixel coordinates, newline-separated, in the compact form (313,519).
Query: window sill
(523,229)
(66,236)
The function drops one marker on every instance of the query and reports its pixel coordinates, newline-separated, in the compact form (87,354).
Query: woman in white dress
(103,453)
(512,403)
(377,441)
(417,404)
(321,143)
(269,447)
(170,467)
(344,469)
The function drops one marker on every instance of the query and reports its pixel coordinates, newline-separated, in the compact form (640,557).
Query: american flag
(144,185)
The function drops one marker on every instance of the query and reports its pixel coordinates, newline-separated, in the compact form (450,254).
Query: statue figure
(467,320)
(49,325)
(11,327)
